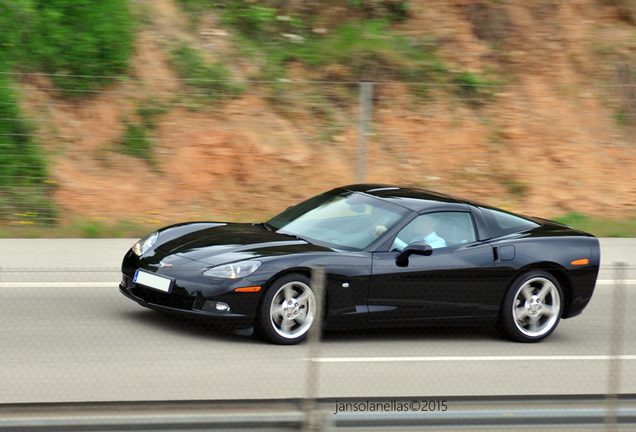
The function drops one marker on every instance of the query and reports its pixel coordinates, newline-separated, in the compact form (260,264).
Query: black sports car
(392,257)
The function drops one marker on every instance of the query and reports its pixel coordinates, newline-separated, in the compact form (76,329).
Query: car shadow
(183,325)
(415,334)
(194,327)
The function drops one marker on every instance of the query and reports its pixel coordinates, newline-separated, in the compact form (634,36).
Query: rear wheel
(288,310)
(532,307)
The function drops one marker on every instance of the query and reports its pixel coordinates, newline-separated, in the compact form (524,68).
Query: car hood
(215,244)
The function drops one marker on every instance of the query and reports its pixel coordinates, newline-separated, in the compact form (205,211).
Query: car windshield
(349,220)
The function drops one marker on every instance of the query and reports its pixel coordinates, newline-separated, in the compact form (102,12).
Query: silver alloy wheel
(536,307)
(293,310)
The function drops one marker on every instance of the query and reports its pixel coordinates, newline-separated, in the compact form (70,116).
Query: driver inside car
(422,229)
(379,220)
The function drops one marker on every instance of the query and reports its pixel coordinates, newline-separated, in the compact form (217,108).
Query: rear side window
(501,223)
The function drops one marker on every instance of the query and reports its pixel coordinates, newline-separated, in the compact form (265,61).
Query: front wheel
(532,307)
(288,310)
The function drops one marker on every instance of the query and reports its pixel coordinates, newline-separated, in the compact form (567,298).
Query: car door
(448,283)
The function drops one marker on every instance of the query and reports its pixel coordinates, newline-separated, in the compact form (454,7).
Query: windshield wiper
(268,227)
(296,236)
(265,225)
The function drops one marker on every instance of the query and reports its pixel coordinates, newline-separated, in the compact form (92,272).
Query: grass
(83,44)
(102,228)
(23,173)
(87,228)
(207,81)
(515,187)
(367,46)
(472,90)
(600,227)
(361,44)
(150,111)
(27,206)
(138,138)
(620,117)
(137,142)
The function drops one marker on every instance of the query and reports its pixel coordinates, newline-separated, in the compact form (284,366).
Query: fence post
(364,123)
(616,341)
(314,420)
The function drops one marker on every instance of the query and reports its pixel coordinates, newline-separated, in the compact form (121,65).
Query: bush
(20,160)
(471,89)
(82,42)
(251,20)
(137,141)
(210,80)
(14,34)
(22,166)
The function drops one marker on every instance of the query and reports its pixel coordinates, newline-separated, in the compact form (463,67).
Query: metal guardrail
(288,415)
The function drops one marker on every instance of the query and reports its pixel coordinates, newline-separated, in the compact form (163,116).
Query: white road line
(612,282)
(471,358)
(115,283)
(58,284)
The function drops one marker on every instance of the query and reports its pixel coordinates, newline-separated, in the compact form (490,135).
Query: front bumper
(183,304)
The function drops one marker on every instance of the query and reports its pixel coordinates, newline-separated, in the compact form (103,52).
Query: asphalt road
(66,334)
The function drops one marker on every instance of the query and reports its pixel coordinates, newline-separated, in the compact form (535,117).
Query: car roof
(415,199)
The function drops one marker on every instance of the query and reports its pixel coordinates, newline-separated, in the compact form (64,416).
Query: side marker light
(248,289)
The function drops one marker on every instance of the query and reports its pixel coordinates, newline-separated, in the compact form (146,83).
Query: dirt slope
(547,144)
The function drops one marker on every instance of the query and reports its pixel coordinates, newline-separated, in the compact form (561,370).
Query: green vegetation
(600,227)
(472,90)
(22,166)
(150,111)
(626,114)
(209,81)
(121,229)
(80,228)
(366,44)
(371,46)
(82,44)
(515,187)
(137,140)
(620,117)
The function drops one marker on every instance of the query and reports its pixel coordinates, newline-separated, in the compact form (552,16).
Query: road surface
(67,335)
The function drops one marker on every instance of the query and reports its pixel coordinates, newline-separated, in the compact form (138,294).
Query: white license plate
(153,281)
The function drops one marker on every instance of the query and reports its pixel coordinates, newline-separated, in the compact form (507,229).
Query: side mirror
(418,248)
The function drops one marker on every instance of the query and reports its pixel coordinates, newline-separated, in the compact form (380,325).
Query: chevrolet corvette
(393,257)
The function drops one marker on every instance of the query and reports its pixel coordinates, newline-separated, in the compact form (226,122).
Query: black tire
(532,307)
(288,310)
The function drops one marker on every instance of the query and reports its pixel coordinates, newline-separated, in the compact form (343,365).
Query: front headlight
(144,245)
(233,271)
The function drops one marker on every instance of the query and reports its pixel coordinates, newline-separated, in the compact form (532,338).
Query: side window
(438,230)
(502,223)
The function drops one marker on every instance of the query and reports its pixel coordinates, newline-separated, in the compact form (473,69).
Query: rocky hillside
(525,105)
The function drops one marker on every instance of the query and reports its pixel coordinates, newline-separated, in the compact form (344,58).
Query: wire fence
(172,147)
(157,151)
(69,336)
